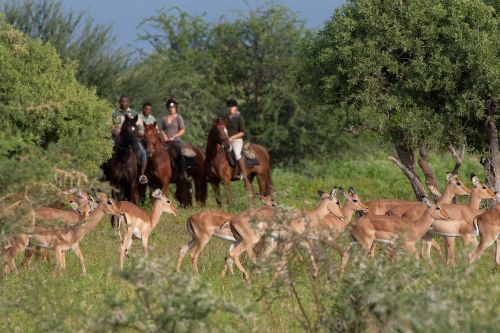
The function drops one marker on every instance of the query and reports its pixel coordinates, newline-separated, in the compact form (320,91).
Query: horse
(218,168)
(123,167)
(161,174)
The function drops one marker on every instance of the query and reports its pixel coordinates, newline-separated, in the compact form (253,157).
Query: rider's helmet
(171,102)
(231,103)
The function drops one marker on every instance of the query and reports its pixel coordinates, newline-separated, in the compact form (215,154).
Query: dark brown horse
(161,174)
(218,168)
(124,164)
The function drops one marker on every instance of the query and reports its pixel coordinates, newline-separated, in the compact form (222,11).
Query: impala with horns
(140,223)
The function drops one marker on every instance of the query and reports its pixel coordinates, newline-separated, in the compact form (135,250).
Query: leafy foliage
(48,119)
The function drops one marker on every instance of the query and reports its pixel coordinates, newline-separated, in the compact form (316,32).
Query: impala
(140,223)
(248,234)
(203,226)
(388,229)
(488,226)
(63,238)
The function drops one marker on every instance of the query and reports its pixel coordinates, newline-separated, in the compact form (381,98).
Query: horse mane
(127,137)
(212,134)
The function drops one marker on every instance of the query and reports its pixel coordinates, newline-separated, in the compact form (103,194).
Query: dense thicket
(76,38)
(48,119)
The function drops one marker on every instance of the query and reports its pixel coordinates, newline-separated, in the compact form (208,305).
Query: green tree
(76,37)
(414,71)
(47,118)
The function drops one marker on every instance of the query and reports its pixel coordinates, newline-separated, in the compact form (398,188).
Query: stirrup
(184,175)
(143,179)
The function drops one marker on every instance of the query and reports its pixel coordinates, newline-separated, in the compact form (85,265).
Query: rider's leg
(144,161)
(181,159)
(237,146)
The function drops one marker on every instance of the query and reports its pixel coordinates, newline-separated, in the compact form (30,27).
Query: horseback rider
(236,132)
(146,116)
(171,129)
(118,118)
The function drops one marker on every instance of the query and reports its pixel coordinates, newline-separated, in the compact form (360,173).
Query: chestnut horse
(218,169)
(160,172)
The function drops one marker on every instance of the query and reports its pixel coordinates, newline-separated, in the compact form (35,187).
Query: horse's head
(151,138)
(220,134)
(128,130)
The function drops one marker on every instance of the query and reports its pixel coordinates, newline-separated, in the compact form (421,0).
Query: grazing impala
(140,224)
(488,226)
(203,226)
(248,234)
(65,237)
(387,229)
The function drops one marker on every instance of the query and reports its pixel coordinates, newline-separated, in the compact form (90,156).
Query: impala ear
(322,195)
(74,205)
(333,193)
(351,190)
(449,176)
(475,181)
(426,202)
(157,194)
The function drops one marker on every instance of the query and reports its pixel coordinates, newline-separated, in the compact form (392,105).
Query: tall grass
(35,301)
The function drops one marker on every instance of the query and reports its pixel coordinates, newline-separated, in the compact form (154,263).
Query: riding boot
(142,178)
(243,169)
(182,162)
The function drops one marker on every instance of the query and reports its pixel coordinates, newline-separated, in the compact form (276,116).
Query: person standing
(171,129)
(236,132)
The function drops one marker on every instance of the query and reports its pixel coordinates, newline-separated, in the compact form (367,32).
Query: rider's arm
(182,129)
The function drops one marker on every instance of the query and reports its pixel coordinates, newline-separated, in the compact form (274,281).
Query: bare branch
(430,178)
(412,177)
(356,131)
(458,158)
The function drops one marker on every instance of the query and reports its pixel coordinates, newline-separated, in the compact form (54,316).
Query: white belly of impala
(137,233)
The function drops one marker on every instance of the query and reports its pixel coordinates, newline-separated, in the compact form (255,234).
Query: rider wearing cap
(236,132)
(118,117)
(171,129)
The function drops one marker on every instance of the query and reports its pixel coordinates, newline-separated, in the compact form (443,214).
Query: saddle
(188,153)
(247,153)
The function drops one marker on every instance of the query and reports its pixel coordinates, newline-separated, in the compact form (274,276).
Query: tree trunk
(492,165)
(406,163)
(430,178)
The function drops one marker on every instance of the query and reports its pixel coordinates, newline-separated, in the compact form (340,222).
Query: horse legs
(229,194)
(216,188)
(262,184)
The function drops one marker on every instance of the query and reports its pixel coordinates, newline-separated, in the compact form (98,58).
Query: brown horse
(161,174)
(218,168)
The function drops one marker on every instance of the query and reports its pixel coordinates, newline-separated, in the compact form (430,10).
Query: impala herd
(260,231)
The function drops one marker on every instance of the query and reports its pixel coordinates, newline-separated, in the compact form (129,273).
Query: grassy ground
(33,300)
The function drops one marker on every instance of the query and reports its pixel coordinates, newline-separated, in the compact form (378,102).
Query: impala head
(166,204)
(266,199)
(81,202)
(108,203)
(483,191)
(437,212)
(332,203)
(151,138)
(352,199)
(458,188)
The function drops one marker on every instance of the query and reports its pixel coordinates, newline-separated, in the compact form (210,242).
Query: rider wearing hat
(118,117)
(236,132)
(171,129)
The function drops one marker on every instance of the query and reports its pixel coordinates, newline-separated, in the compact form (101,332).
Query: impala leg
(78,253)
(59,258)
(28,254)
(371,251)
(196,252)
(234,254)
(283,260)
(437,247)
(450,250)
(182,252)
(343,254)
(145,240)
(309,249)
(483,245)
(497,252)
(125,247)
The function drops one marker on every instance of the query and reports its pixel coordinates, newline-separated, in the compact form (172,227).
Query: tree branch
(430,178)
(412,177)
(458,158)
